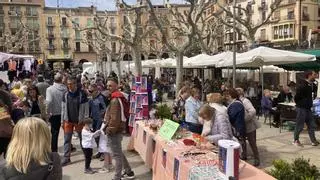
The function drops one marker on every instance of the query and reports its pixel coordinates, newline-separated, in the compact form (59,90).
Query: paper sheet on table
(168,129)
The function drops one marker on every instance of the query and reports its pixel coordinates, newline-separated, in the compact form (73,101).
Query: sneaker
(65,161)
(129,175)
(97,156)
(89,171)
(103,170)
(297,143)
(316,143)
(73,149)
(106,169)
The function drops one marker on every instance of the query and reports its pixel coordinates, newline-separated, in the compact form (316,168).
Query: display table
(173,160)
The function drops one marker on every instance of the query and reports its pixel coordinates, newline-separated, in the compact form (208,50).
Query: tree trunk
(118,69)
(136,55)
(251,42)
(109,64)
(179,69)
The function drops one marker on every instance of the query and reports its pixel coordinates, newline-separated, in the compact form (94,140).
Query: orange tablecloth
(169,163)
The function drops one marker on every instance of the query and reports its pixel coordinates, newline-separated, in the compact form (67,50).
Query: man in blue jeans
(304,101)
(114,127)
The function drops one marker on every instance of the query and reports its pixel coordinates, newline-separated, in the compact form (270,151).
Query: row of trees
(177,29)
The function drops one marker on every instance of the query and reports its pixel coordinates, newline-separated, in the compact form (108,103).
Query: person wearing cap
(42,86)
(54,96)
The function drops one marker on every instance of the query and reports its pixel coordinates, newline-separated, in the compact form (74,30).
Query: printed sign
(168,129)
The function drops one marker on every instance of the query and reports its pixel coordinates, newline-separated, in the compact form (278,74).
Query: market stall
(173,159)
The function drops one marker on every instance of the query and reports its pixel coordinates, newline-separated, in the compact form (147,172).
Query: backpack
(125,106)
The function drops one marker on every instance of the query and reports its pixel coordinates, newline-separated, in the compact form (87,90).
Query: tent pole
(262,81)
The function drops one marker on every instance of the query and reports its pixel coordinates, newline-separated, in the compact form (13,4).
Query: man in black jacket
(304,102)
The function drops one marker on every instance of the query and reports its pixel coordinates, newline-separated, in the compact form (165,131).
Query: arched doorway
(127,57)
(152,56)
(165,56)
(142,57)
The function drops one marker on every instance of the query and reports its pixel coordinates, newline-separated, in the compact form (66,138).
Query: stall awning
(315,52)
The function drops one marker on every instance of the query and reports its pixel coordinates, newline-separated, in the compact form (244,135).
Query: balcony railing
(263,7)
(78,38)
(14,13)
(31,14)
(51,47)
(50,24)
(305,17)
(13,25)
(65,46)
(34,49)
(33,26)
(50,36)
(65,35)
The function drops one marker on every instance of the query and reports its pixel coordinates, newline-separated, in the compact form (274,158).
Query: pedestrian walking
(304,102)
(75,109)
(54,96)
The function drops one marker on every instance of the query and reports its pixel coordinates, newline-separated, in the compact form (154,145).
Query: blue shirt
(97,107)
(192,108)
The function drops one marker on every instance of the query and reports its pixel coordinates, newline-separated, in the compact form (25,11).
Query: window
(264,16)
(90,48)
(64,21)
(77,34)
(89,22)
(112,20)
(114,47)
(1,33)
(50,30)
(66,52)
(78,46)
(76,22)
(239,36)
(239,10)
(290,13)
(113,30)
(275,32)
(286,31)
(13,32)
(50,42)
(49,20)
(281,32)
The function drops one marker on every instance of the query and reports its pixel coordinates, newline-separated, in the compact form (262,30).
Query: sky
(101,4)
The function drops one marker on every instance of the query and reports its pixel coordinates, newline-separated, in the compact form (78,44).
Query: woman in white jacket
(221,127)
(251,125)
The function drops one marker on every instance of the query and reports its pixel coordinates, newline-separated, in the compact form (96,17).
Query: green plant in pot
(163,112)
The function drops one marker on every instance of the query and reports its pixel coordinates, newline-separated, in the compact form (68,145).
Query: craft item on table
(139,102)
(176,169)
(164,158)
(189,142)
(137,79)
(133,97)
(206,173)
(133,107)
(138,89)
(144,84)
(145,112)
(144,98)
(229,158)
(139,114)
(168,129)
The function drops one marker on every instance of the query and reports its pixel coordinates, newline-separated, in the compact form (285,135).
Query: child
(206,114)
(88,142)
(103,148)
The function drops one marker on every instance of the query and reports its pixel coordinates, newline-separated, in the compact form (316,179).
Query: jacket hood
(220,109)
(60,87)
(117,94)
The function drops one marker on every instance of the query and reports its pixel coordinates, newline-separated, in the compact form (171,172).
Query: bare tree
(243,20)
(179,28)
(13,42)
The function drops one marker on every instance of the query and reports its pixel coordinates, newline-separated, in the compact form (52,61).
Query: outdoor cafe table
(168,162)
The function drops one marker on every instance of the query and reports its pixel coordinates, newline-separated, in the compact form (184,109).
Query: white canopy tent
(204,60)
(264,56)
(5,56)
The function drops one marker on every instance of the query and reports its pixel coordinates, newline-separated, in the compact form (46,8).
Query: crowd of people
(92,108)
(88,108)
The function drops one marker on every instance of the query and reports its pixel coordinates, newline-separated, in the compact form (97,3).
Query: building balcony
(65,46)
(51,47)
(64,24)
(78,38)
(77,50)
(50,36)
(305,17)
(65,36)
(13,25)
(14,13)
(31,14)
(50,24)
(113,25)
(34,49)
(33,26)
